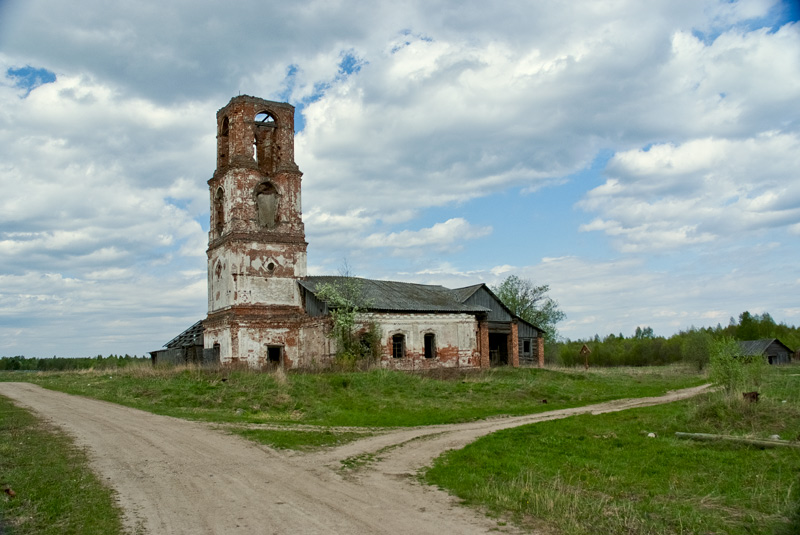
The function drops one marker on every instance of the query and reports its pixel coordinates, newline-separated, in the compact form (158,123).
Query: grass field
(582,475)
(377,398)
(56,493)
(603,474)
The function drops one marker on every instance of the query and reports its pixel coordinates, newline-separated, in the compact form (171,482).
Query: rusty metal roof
(385,296)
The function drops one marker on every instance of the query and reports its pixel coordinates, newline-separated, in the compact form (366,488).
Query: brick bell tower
(256,243)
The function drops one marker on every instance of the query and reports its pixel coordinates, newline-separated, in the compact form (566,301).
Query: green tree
(356,340)
(732,371)
(531,303)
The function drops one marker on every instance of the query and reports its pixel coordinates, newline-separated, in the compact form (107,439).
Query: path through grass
(55,492)
(604,474)
(377,398)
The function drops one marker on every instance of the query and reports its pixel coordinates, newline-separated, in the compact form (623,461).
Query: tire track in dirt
(181,477)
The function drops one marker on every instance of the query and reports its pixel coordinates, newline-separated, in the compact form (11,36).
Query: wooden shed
(775,351)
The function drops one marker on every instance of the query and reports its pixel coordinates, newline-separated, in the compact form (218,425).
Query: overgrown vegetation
(54,492)
(645,348)
(358,342)
(732,372)
(604,474)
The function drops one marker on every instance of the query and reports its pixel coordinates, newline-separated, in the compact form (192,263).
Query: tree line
(64,363)
(694,345)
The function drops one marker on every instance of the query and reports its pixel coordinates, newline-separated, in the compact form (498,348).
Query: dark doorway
(498,349)
(274,355)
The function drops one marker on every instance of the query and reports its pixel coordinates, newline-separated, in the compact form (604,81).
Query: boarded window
(267,205)
(430,345)
(398,346)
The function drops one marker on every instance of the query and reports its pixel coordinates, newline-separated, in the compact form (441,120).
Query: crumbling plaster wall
(248,273)
(456,339)
(244,335)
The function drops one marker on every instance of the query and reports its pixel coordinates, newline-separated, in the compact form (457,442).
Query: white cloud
(445,236)
(703,190)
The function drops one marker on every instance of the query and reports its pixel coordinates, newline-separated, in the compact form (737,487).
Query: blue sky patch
(350,63)
(29,78)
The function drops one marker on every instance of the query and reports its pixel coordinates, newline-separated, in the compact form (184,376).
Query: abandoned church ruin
(263,308)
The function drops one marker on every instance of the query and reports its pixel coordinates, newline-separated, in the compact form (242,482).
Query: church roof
(380,295)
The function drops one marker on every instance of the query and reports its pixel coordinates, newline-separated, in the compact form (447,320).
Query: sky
(642,159)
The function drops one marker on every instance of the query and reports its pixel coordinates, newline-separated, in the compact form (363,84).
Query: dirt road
(174,476)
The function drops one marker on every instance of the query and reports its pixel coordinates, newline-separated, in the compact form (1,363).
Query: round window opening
(271,266)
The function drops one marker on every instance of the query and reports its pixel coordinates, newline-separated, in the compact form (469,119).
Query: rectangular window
(430,346)
(398,346)
(526,346)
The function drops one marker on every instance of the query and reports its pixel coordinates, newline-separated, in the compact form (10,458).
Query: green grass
(375,398)
(56,493)
(603,474)
(299,440)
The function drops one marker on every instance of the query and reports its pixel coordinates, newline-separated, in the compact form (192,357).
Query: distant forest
(644,348)
(63,363)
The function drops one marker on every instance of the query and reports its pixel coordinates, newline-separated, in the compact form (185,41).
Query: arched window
(430,345)
(264,141)
(264,118)
(222,142)
(398,346)
(219,210)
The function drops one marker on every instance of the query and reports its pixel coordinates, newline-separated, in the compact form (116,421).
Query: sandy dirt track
(178,477)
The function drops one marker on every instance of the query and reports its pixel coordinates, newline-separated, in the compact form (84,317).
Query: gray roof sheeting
(759,347)
(193,336)
(395,296)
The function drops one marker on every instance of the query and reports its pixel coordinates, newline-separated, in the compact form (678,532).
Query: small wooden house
(775,351)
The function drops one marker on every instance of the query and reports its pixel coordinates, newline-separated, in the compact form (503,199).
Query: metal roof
(462,294)
(759,347)
(379,295)
(193,336)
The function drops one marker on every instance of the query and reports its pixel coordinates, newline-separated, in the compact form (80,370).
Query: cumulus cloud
(442,236)
(670,196)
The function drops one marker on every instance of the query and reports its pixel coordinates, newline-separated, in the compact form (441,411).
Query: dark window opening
(222,144)
(219,210)
(274,354)
(526,346)
(398,346)
(430,345)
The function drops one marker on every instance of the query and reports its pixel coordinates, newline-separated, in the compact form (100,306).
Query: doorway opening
(274,356)
(498,349)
